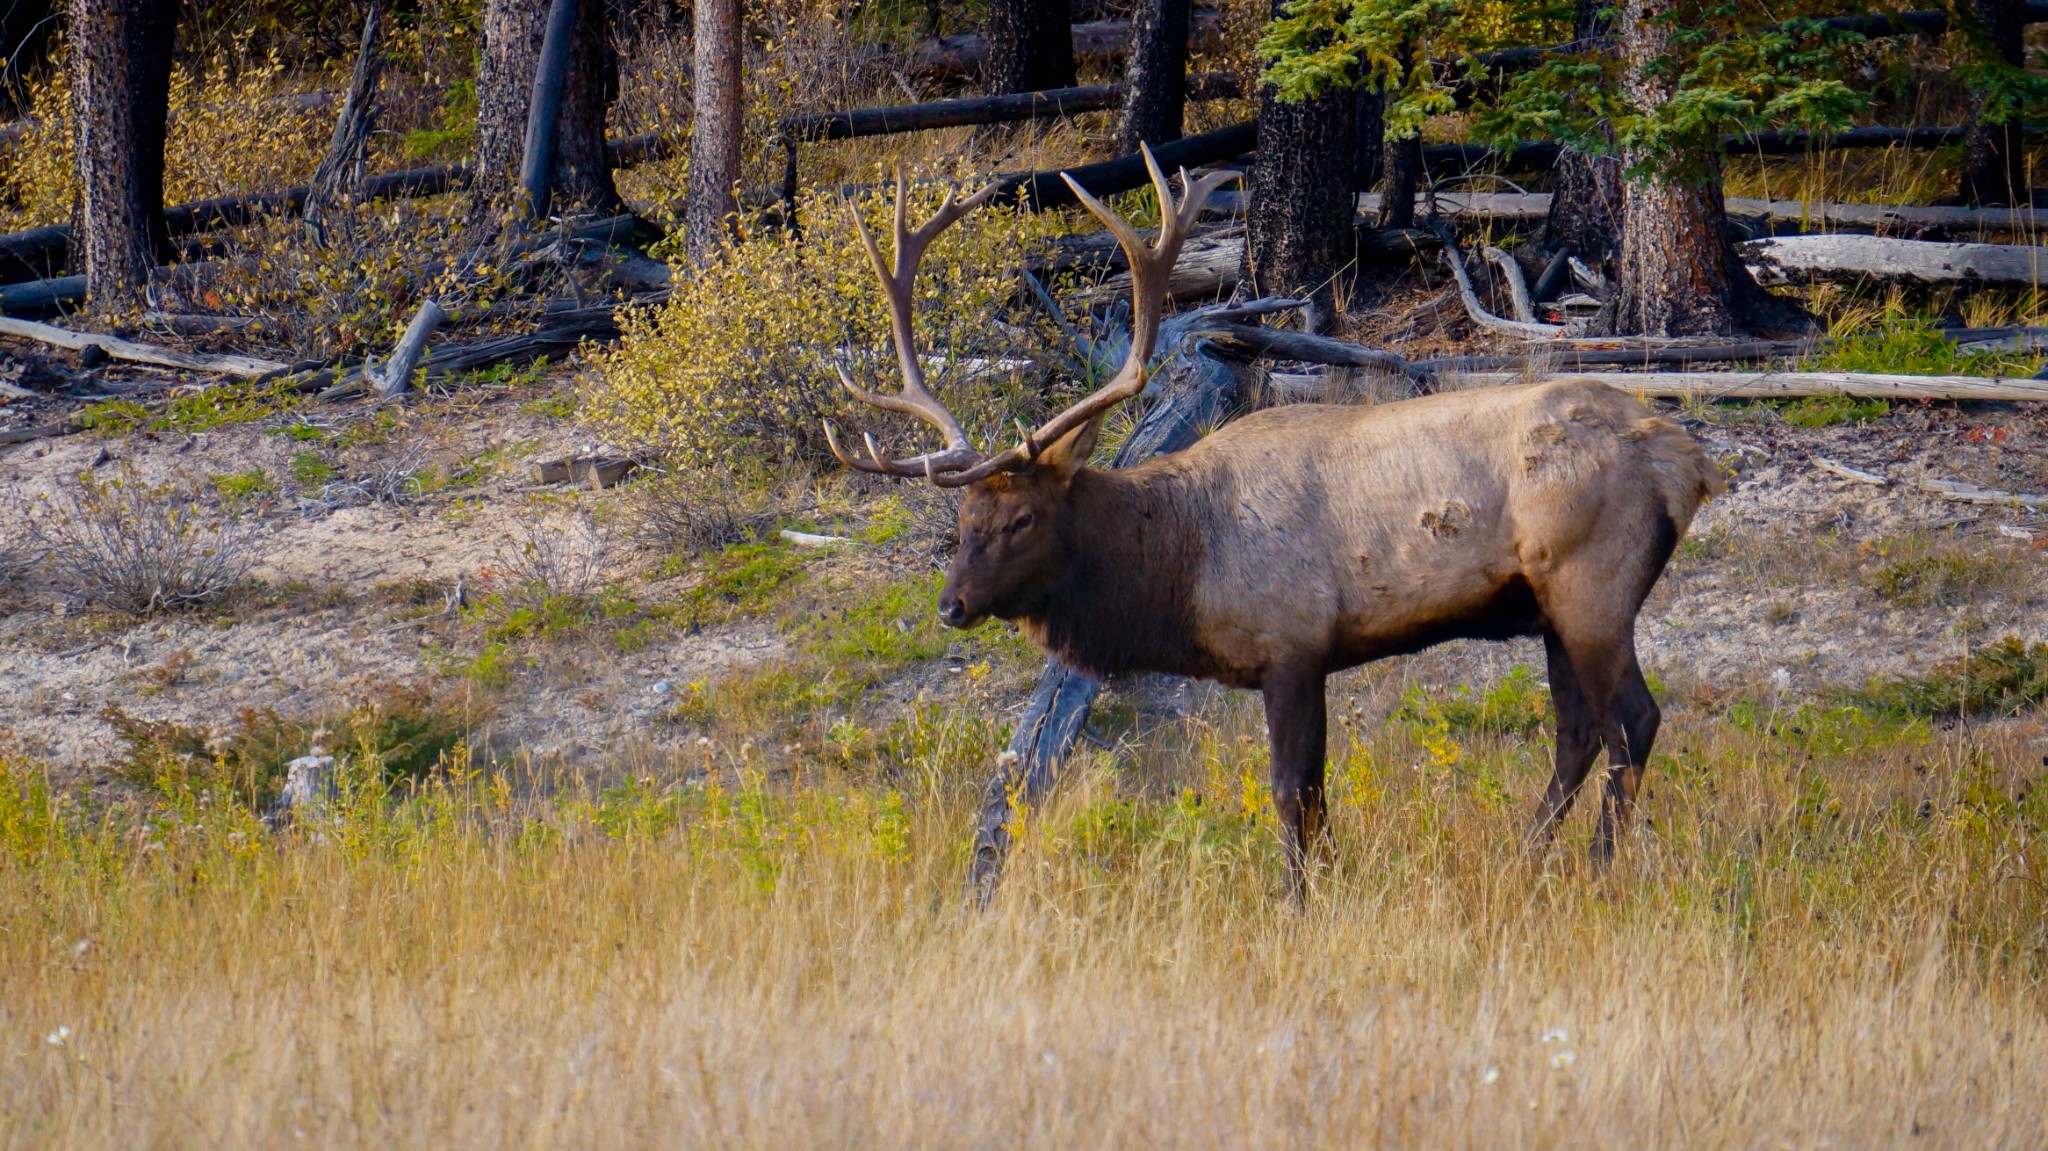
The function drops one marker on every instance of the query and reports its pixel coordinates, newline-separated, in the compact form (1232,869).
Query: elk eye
(1020,523)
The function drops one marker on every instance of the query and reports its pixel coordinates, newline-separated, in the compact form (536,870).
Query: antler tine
(898,279)
(1151,266)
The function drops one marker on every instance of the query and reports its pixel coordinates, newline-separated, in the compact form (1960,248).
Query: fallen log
(1793,385)
(247,367)
(1096,42)
(1813,259)
(1043,190)
(1972,494)
(1051,104)
(1209,264)
(393,379)
(1530,207)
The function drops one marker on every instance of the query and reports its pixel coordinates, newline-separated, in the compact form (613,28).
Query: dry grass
(1835,936)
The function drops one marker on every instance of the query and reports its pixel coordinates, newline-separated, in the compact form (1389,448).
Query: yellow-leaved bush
(738,365)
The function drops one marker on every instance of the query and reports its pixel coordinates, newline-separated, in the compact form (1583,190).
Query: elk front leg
(1297,722)
(1639,718)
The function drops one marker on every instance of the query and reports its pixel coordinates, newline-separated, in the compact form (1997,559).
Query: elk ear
(1069,453)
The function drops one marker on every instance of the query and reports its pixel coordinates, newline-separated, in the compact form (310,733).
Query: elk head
(1013,521)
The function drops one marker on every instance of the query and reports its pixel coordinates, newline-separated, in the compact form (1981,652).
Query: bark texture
(120,62)
(1155,79)
(339,179)
(579,175)
(1030,45)
(1403,177)
(1677,275)
(1585,210)
(1994,155)
(710,208)
(1298,230)
(1369,133)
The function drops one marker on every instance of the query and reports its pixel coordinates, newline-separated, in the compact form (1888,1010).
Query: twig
(1843,471)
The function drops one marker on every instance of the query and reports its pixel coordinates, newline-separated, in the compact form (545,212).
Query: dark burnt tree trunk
(1994,157)
(1585,202)
(27,29)
(1677,272)
(1155,80)
(120,60)
(1403,160)
(710,208)
(579,177)
(1298,231)
(1368,137)
(1030,45)
(1402,178)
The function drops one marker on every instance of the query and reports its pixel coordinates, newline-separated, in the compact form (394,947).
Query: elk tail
(1685,477)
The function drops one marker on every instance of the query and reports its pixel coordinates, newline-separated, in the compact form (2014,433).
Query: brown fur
(1306,539)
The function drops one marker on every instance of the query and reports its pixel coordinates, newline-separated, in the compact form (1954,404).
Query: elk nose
(952,612)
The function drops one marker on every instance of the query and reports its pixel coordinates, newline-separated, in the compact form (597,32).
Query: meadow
(1831,934)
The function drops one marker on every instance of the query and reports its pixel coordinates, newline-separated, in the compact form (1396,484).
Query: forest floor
(1795,580)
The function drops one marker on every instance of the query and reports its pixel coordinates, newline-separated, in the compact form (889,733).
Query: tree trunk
(578,175)
(710,208)
(1298,230)
(1369,133)
(1155,80)
(1030,45)
(1403,177)
(1677,275)
(1994,155)
(1585,210)
(120,90)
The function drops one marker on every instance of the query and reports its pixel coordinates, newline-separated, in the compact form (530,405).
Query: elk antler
(959,464)
(915,399)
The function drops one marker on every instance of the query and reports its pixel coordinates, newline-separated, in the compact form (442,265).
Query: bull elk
(1307,539)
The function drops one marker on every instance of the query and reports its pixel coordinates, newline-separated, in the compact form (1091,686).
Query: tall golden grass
(1833,937)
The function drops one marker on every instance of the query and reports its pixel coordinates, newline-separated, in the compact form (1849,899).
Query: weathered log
(397,374)
(1043,190)
(1096,42)
(340,174)
(1052,104)
(1527,207)
(1477,312)
(1811,259)
(1210,264)
(1972,494)
(245,366)
(1046,733)
(1792,385)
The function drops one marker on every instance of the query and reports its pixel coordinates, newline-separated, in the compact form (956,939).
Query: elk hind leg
(1297,725)
(1640,719)
(1578,741)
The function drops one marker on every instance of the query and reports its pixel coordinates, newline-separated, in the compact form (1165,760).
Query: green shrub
(738,365)
(2004,678)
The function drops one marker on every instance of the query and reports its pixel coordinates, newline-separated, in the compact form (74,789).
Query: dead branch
(340,174)
(1845,472)
(248,367)
(397,374)
(1477,311)
(1518,285)
(1972,494)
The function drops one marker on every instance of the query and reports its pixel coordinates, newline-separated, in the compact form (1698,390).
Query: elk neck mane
(1131,542)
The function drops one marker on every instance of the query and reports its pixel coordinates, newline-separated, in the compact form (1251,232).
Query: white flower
(1555,1035)
(56,1038)
(1492,1075)
(1563,1059)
